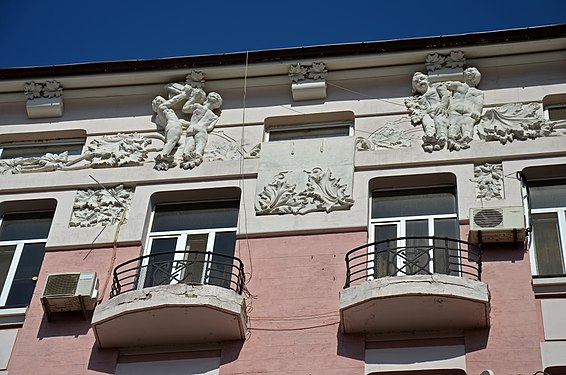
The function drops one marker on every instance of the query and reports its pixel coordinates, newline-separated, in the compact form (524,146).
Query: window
(401,221)
(547,200)
(311,126)
(192,243)
(41,148)
(22,247)
(555,112)
(309,131)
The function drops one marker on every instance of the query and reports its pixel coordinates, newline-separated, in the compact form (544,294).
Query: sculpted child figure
(465,109)
(167,118)
(203,120)
(430,106)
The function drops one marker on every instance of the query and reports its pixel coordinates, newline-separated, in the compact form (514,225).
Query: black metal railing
(176,267)
(413,256)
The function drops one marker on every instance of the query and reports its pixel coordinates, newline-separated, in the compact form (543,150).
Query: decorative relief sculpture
(98,207)
(46,163)
(323,193)
(437,61)
(117,151)
(316,71)
(203,111)
(517,121)
(429,107)
(448,111)
(48,89)
(225,147)
(44,99)
(387,137)
(489,181)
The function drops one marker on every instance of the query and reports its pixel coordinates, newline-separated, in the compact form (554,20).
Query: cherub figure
(203,120)
(429,106)
(465,109)
(168,119)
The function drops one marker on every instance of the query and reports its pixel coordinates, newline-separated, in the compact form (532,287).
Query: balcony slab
(166,315)
(415,303)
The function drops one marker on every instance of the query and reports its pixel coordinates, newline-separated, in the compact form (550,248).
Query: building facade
(393,207)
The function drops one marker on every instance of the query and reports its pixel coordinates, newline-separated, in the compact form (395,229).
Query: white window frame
(181,236)
(561,214)
(551,106)
(401,223)
(41,143)
(309,126)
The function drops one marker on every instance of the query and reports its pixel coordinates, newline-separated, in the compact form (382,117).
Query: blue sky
(54,32)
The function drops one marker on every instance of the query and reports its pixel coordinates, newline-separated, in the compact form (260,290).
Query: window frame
(309,127)
(401,224)
(42,143)
(15,262)
(548,107)
(181,242)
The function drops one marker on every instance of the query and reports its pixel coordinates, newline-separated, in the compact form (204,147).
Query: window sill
(549,286)
(12,316)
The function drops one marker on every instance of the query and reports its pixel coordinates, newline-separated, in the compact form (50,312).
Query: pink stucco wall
(295,283)
(512,344)
(66,345)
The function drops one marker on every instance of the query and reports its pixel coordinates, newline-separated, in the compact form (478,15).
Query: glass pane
(557,113)
(191,216)
(413,202)
(221,270)
(445,251)
(385,261)
(309,133)
(548,249)
(194,262)
(6,256)
(417,253)
(23,284)
(158,271)
(25,226)
(547,196)
(39,150)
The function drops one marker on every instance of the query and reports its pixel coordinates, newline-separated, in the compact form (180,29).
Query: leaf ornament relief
(118,150)
(279,197)
(322,193)
(97,207)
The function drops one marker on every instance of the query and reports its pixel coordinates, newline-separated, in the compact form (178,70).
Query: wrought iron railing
(413,256)
(179,267)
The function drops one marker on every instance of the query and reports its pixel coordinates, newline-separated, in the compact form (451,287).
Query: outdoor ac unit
(497,224)
(76,291)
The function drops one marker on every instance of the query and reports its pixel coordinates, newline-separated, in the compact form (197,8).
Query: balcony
(173,298)
(414,284)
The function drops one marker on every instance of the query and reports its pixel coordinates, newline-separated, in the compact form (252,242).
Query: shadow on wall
(351,345)
(500,252)
(64,324)
(103,360)
(230,351)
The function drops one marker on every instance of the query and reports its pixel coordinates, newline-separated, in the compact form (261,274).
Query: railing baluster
(458,257)
(221,270)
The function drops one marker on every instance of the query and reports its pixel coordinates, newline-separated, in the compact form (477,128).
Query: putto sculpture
(448,111)
(203,111)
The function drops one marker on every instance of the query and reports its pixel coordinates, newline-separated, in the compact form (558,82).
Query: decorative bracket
(44,99)
(308,82)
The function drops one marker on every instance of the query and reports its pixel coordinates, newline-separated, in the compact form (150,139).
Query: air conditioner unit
(77,291)
(497,224)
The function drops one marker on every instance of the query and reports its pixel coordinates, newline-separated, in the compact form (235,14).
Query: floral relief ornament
(489,181)
(32,90)
(96,207)
(323,193)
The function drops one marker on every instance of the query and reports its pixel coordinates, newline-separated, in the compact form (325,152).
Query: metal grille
(488,218)
(64,284)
